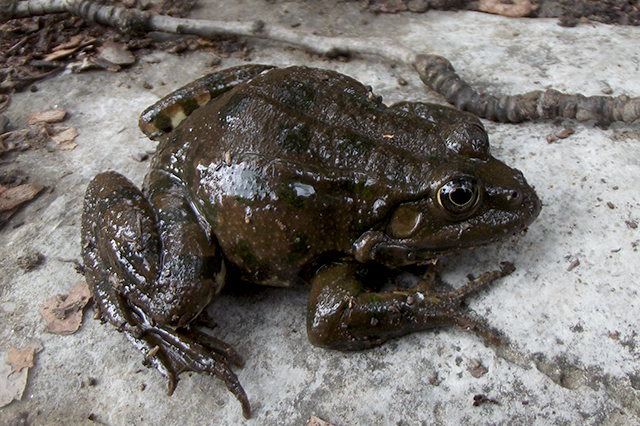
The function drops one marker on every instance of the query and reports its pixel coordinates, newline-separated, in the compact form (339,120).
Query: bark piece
(51,116)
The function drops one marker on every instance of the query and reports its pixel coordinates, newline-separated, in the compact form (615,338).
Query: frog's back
(296,164)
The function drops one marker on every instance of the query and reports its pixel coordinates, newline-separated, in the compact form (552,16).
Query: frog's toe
(173,352)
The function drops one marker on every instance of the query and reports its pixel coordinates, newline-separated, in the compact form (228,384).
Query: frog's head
(470,199)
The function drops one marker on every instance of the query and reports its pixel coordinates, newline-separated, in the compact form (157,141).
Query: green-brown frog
(279,176)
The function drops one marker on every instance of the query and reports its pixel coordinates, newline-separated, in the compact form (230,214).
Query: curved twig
(438,73)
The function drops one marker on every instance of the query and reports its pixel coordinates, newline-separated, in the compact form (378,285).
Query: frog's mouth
(486,227)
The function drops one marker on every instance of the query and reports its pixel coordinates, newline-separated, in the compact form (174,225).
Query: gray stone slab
(573,358)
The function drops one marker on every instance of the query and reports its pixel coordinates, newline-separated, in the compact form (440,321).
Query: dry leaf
(67,146)
(79,40)
(116,53)
(11,198)
(63,314)
(12,384)
(19,359)
(63,134)
(59,54)
(316,421)
(514,9)
(22,139)
(50,116)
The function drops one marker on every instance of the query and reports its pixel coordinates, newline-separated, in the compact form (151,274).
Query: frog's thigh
(168,112)
(132,259)
(120,244)
(343,315)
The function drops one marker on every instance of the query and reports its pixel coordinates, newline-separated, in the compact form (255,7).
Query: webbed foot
(176,351)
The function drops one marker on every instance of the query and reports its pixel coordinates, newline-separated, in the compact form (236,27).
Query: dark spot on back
(287,193)
(163,123)
(189,105)
(299,248)
(353,144)
(234,107)
(297,95)
(295,139)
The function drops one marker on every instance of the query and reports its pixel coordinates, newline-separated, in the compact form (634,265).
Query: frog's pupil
(460,196)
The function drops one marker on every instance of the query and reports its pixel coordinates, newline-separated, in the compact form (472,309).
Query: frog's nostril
(513,196)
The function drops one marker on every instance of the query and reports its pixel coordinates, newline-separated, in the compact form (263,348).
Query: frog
(282,176)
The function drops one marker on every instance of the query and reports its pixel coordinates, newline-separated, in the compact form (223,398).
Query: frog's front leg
(343,315)
(152,269)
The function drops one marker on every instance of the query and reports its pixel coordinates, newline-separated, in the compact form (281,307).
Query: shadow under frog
(278,176)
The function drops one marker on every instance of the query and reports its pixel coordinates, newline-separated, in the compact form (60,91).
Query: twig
(438,73)
(434,71)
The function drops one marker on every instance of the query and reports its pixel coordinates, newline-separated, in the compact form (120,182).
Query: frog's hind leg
(343,315)
(152,269)
(165,115)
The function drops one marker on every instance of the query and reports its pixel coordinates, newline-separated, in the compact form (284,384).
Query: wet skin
(280,176)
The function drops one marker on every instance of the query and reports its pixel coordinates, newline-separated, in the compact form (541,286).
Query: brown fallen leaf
(116,53)
(61,53)
(14,373)
(511,8)
(316,421)
(12,384)
(64,136)
(11,198)
(19,359)
(50,116)
(79,40)
(63,314)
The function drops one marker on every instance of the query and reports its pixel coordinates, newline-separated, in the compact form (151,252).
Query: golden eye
(459,196)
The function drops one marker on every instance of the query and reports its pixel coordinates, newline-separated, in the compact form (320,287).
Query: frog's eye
(459,196)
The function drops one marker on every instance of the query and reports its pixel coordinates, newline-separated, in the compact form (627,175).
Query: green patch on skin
(362,191)
(297,95)
(353,144)
(299,249)
(210,212)
(372,298)
(366,99)
(295,139)
(357,190)
(214,83)
(287,193)
(244,252)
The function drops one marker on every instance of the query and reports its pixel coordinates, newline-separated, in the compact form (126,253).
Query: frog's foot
(175,351)
(343,315)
